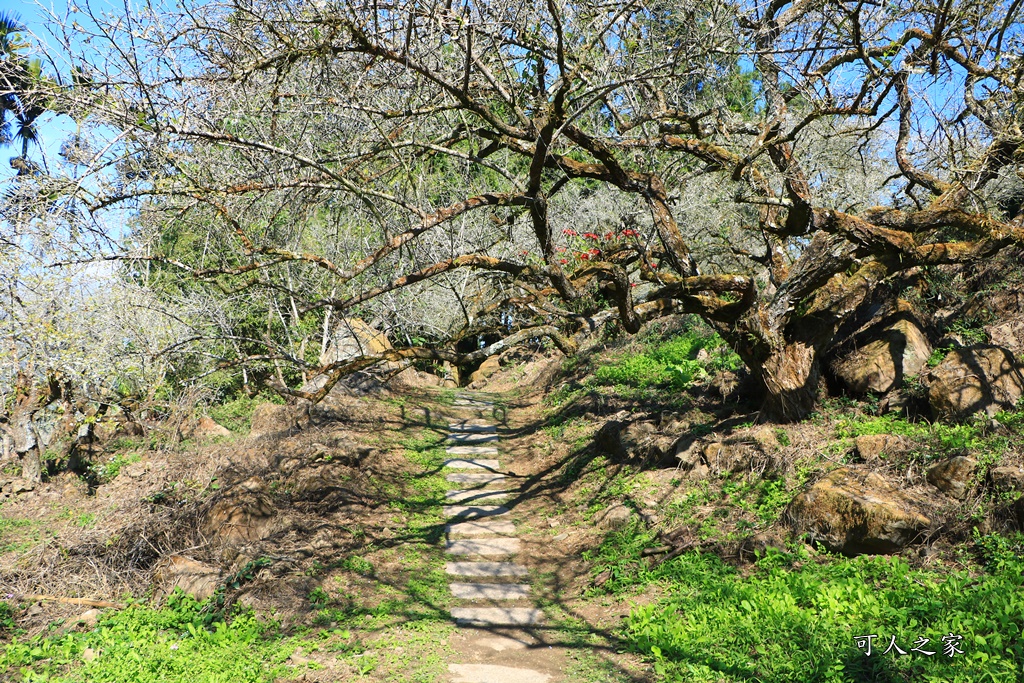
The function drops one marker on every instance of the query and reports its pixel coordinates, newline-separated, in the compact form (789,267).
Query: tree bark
(790,375)
(26,443)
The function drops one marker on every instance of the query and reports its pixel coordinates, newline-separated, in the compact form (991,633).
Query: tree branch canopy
(434,168)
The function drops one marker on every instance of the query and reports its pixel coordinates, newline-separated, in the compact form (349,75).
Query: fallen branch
(85,602)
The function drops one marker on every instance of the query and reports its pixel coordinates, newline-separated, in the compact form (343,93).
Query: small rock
(1007,478)
(688,455)
(728,456)
(560,537)
(650,516)
(88,618)
(614,517)
(765,437)
(871,447)
(953,475)
(135,470)
(88,654)
(209,428)
(195,578)
(21,486)
(700,472)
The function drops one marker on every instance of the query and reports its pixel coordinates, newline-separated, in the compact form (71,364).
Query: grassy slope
(379,611)
(794,612)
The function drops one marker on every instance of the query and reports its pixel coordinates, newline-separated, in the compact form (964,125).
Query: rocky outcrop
(490,366)
(973,379)
(411,378)
(854,511)
(953,475)
(353,338)
(901,350)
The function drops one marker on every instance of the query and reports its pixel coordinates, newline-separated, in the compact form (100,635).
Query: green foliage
(142,644)
(107,471)
(236,414)
(796,620)
(935,439)
(6,618)
(673,362)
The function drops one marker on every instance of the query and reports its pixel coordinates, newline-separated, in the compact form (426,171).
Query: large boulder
(882,364)
(973,379)
(856,511)
(490,366)
(953,475)
(353,338)
(411,378)
(1005,309)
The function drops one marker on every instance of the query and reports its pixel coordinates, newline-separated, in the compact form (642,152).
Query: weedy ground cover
(182,641)
(798,617)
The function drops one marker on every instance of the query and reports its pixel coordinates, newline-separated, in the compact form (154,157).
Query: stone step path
(481,529)
(461,463)
(479,532)
(481,478)
(471,450)
(468,438)
(476,496)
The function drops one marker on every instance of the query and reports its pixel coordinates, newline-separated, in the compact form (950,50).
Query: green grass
(935,440)
(795,620)
(139,644)
(108,470)
(672,362)
(236,414)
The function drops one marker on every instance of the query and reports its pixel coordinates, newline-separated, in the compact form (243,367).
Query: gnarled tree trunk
(790,375)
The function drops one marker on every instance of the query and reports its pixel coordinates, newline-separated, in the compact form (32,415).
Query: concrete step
(498,545)
(494,673)
(473,511)
(482,570)
(472,463)
(486,527)
(471,450)
(497,616)
(476,496)
(471,438)
(481,478)
(490,591)
(472,427)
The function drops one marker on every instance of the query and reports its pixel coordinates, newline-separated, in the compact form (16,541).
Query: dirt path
(500,627)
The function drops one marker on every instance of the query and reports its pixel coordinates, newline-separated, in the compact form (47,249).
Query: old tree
(504,172)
